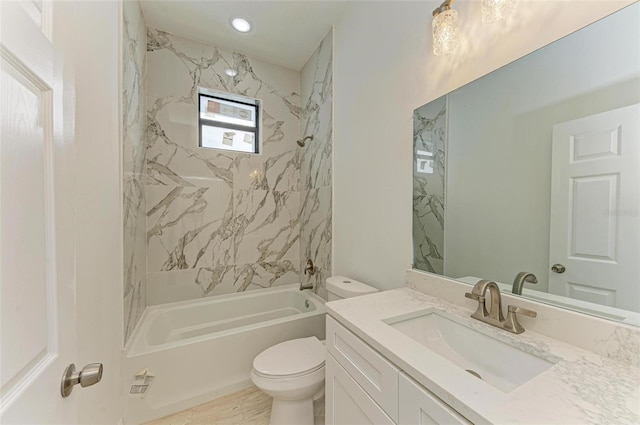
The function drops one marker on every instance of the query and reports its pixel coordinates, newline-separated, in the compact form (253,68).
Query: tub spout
(304,286)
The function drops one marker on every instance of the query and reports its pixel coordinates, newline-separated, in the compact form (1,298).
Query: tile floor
(246,407)
(250,407)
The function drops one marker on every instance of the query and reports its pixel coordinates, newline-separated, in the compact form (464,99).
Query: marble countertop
(580,388)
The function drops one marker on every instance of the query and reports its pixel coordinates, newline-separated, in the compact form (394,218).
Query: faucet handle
(310,268)
(474,297)
(511,323)
(481,312)
(520,310)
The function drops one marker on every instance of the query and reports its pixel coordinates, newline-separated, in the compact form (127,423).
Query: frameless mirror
(530,175)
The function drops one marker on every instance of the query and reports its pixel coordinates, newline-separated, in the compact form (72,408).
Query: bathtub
(202,349)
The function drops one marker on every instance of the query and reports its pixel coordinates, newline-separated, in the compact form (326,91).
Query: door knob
(89,375)
(558,268)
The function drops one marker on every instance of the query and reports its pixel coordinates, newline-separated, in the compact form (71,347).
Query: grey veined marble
(429,142)
(133,158)
(316,169)
(218,221)
(201,222)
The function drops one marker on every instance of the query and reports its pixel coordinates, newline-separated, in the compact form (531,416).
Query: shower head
(301,141)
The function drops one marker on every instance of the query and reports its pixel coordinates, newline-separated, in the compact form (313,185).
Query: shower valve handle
(310,268)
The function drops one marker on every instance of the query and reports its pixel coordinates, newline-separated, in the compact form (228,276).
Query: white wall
(98,218)
(384,68)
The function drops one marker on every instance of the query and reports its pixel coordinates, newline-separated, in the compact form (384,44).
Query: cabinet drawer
(375,374)
(418,406)
(347,403)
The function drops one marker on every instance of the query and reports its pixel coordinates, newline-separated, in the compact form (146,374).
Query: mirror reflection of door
(595,208)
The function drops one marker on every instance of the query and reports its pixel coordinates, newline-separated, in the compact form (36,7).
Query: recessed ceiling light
(231,72)
(241,25)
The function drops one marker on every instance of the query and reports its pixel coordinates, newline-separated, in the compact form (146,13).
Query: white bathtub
(202,349)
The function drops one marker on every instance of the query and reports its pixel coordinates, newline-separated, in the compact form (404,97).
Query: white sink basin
(497,363)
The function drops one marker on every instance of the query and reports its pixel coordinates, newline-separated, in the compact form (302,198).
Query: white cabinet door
(38,323)
(595,203)
(346,402)
(375,374)
(419,407)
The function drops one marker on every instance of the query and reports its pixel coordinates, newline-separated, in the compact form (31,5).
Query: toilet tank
(339,287)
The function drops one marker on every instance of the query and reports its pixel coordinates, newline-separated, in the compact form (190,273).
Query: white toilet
(292,372)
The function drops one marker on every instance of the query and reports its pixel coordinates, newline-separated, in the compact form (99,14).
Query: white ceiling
(284,33)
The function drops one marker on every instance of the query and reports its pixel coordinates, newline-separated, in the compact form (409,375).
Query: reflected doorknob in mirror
(558,268)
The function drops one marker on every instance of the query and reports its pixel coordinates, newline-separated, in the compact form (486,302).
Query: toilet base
(292,412)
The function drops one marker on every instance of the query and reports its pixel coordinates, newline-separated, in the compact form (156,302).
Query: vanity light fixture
(445,29)
(231,72)
(241,25)
(496,10)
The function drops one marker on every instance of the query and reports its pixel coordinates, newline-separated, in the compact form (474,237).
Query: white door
(595,209)
(37,212)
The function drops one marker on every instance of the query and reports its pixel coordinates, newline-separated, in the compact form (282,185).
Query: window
(229,122)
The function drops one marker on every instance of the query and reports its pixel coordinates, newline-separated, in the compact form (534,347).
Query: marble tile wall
(429,143)
(316,171)
(216,221)
(134,154)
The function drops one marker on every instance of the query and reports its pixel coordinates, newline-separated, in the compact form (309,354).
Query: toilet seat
(290,359)
(294,375)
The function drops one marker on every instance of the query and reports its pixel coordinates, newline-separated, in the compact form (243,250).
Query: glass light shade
(496,10)
(241,25)
(445,32)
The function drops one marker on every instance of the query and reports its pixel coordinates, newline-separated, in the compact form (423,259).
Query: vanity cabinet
(374,373)
(420,407)
(346,402)
(363,387)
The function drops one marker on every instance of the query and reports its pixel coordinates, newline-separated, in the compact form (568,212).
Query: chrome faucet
(520,279)
(494,315)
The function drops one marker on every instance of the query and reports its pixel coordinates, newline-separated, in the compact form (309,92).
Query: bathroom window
(230,122)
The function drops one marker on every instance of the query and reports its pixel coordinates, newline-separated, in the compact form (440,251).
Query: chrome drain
(474,373)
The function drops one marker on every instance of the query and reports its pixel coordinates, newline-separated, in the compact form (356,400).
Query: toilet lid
(290,358)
